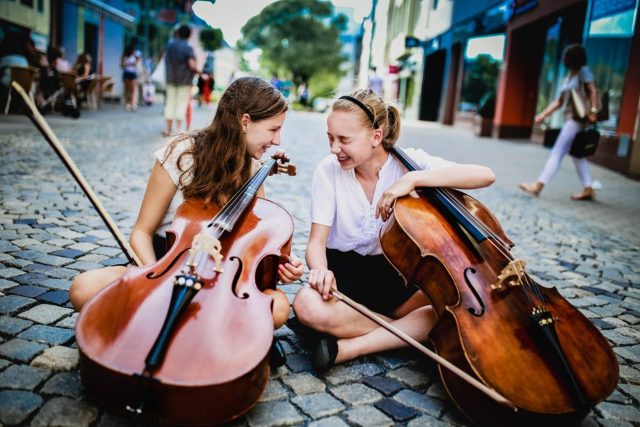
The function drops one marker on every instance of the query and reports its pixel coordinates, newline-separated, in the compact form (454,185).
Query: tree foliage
(211,39)
(480,78)
(299,36)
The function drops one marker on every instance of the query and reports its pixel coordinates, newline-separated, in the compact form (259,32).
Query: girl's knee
(78,291)
(87,284)
(308,307)
(281,307)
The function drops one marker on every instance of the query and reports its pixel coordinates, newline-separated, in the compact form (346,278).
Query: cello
(186,340)
(495,322)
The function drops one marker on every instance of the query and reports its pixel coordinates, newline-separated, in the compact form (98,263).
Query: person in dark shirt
(181,67)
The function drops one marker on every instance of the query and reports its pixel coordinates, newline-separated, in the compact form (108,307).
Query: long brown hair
(386,116)
(221,163)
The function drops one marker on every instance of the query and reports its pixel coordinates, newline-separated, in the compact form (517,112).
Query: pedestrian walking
(181,67)
(129,63)
(352,193)
(211,163)
(575,60)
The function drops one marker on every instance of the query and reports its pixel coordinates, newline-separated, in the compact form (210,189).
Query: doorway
(432,86)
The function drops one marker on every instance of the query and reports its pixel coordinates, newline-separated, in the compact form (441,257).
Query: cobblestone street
(49,233)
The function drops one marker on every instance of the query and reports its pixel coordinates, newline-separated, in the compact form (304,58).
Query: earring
(373,146)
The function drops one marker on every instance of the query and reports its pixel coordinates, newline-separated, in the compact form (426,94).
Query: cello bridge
(210,245)
(510,276)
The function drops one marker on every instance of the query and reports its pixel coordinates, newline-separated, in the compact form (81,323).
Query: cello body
(489,333)
(216,363)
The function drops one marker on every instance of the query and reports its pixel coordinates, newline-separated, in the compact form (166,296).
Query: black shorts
(370,280)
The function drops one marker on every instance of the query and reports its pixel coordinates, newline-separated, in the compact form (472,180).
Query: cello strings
(496,240)
(500,245)
(233,206)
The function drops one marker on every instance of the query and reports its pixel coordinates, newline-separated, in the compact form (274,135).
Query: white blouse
(338,200)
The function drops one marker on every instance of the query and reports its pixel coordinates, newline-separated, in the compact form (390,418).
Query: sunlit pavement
(49,233)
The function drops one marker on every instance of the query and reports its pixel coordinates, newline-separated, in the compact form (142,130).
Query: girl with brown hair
(213,164)
(352,193)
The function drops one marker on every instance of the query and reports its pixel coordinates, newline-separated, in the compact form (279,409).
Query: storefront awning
(109,11)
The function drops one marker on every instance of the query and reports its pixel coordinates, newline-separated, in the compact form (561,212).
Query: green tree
(300,37)
(211,39)
(480,78)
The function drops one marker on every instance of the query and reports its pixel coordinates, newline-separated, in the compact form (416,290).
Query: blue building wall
(113,47)
(70,30)
(114,32)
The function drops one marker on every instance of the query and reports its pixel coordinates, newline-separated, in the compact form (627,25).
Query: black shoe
(325,353)
(276,356)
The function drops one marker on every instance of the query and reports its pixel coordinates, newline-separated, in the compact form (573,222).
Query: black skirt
(369,279)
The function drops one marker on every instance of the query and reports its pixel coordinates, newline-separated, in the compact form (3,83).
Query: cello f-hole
(152,275)
(236,279)
(471,279)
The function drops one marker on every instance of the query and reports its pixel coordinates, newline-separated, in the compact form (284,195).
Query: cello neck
(449,203)
(237,205)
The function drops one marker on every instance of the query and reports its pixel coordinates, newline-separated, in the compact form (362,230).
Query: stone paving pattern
(49,233)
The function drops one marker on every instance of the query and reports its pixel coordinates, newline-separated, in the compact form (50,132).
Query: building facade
(533,71)
(446,60)
(99,28)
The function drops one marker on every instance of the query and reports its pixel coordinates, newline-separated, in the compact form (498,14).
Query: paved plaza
(49,233)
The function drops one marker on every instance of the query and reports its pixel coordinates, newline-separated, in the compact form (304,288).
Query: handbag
(585,143)
(581,104)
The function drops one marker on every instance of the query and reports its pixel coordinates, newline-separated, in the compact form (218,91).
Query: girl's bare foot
(532,188)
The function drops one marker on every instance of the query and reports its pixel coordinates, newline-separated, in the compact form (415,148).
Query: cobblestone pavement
(49,233)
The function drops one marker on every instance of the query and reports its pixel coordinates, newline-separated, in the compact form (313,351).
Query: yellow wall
(27,16)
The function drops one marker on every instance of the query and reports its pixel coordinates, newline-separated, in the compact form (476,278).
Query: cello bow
(32,112)
(422,348)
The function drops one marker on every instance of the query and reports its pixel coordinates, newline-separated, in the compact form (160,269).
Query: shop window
(28,3)
(609,59)
(483,56)
(610,31)
(551,74)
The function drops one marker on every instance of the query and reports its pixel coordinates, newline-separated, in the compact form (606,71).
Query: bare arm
(555,105)
(593,96)
(457,176)
(157,198)
(320,277)
(192,65)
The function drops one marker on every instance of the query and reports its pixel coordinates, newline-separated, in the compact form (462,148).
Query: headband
(363,107)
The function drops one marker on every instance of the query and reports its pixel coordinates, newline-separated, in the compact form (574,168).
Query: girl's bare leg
(89,283)
(416,324)
(280,307)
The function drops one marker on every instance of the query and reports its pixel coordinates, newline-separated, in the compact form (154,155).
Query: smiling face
(349,140)
(260,135)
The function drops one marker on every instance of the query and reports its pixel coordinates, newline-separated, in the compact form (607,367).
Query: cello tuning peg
(291,170)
